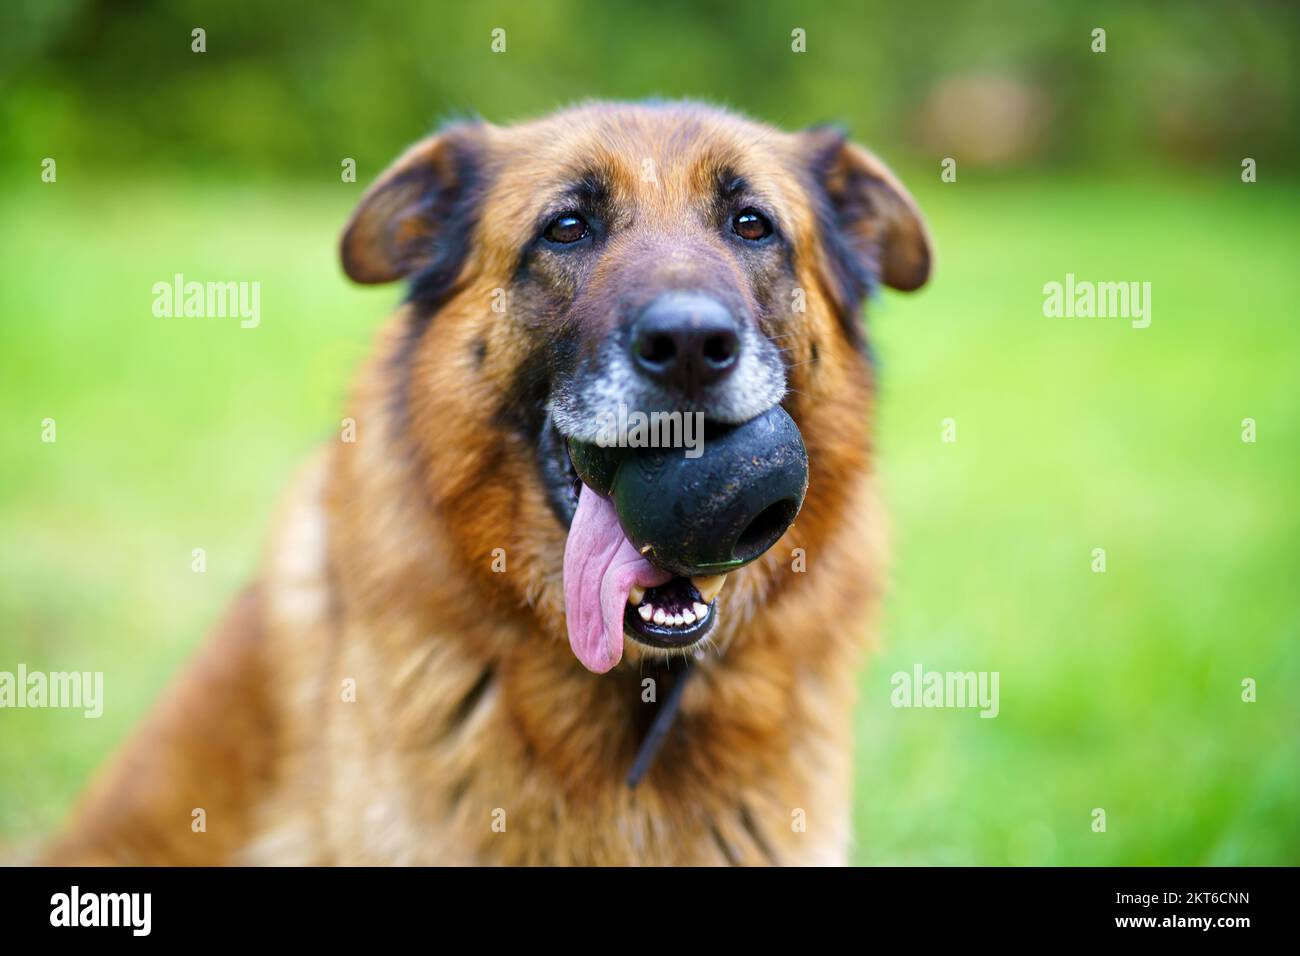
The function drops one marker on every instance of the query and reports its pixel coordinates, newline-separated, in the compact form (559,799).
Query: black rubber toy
(705,515)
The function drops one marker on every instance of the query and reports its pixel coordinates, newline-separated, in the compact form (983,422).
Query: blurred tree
(290,88)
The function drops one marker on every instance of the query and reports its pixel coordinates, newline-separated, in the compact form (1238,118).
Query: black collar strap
(662,723)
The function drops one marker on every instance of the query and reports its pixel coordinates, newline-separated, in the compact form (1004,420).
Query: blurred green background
(1119,691)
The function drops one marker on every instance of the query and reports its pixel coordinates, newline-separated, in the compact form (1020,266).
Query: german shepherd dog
(420,674)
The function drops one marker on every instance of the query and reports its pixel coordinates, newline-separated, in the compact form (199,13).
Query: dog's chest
(476,783)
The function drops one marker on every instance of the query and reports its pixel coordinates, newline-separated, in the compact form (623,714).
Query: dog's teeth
(700,610)
(636,595)
(678,620)
(688,617)
(646,612)
(659,615)
(710,586)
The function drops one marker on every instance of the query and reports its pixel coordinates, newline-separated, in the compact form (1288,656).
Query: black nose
(686,341)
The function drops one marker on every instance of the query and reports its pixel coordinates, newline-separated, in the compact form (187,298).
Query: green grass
(1119,690)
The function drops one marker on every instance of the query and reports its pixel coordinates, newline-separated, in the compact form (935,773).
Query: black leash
(662,723)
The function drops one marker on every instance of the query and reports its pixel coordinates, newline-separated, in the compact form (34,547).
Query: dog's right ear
(418,213)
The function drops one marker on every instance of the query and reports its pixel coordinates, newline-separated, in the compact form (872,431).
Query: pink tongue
(600,568)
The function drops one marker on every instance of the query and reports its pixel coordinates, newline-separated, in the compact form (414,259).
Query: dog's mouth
(656,608)
(675,615)
(611,590)
(654,532)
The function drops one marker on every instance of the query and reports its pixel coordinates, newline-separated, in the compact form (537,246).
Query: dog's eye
(566,228)
(751,224)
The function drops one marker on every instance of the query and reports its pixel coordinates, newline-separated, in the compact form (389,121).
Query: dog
(402,684)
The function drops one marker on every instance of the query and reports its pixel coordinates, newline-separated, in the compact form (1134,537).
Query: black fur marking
(454,209)
(747,821)
(591,188)
(458,792)
(855,271)
(588,194)
(731,185)
(727,851)
(523,408)
(472,699)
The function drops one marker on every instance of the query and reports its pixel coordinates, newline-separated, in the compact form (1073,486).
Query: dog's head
(619,260)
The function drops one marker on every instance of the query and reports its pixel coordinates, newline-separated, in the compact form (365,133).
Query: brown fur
(468,699)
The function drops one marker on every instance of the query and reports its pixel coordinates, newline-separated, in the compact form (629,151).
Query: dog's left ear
(418,213)
(871,226)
